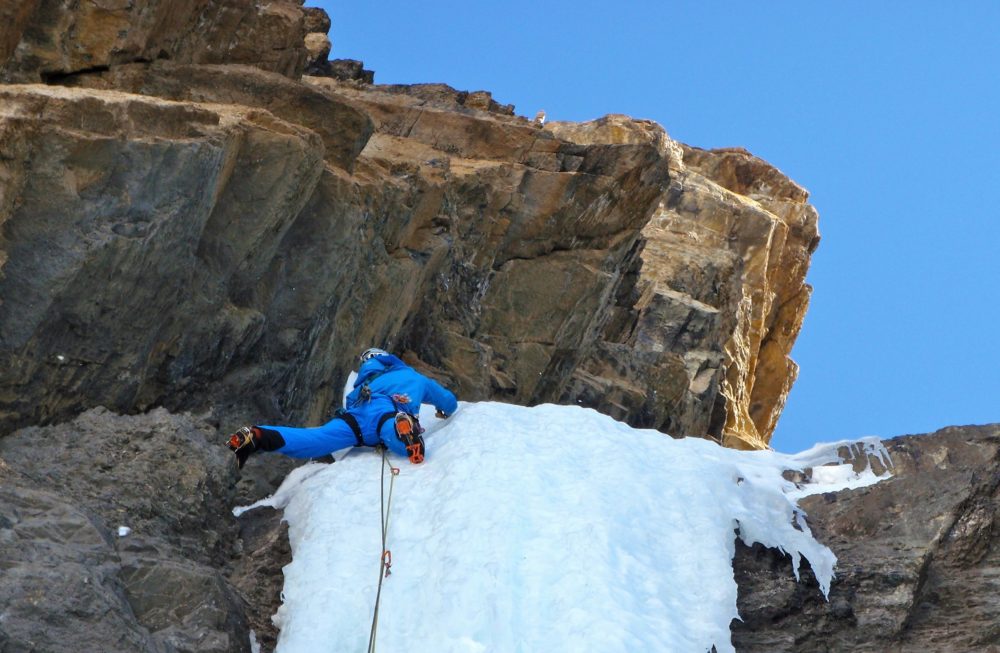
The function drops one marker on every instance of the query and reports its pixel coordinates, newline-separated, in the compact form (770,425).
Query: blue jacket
(389,376)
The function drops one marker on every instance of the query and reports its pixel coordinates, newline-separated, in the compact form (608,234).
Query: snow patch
(826,471)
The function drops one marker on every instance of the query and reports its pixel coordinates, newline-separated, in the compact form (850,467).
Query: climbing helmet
(371,353)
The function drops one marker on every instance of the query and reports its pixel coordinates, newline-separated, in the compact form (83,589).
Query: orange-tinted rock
(720,294)
(50,39)
(596,264)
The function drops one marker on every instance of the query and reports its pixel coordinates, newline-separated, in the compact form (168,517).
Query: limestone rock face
(188,232)
(918,559)
(403,250)
(138,221)
(718,300)
(760,221)
(343,129)
(50,39)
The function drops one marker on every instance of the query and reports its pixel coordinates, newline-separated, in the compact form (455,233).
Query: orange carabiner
(387,561)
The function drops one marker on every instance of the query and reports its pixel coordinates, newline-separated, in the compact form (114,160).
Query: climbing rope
(386,560)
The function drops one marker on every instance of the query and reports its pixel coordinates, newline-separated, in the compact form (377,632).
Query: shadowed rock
(73,582)
(918,563)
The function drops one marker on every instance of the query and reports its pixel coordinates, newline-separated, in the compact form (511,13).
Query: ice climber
(381,409)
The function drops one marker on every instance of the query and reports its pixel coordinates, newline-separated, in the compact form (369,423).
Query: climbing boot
(408,430)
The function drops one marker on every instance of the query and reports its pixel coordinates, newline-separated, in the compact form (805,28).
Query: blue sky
(889,113)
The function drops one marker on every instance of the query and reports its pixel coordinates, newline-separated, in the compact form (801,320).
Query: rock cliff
(189,224)
(186,221)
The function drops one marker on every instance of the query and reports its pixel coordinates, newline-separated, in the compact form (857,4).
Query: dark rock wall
(133,246)
(918,559)
(71,583)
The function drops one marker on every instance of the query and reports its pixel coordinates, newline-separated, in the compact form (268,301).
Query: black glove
(250,439)
(440,414)
(243,443)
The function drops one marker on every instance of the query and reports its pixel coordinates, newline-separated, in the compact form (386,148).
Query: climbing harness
(385,562)
(355,427)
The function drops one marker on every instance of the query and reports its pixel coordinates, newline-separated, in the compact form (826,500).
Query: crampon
(408,430)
